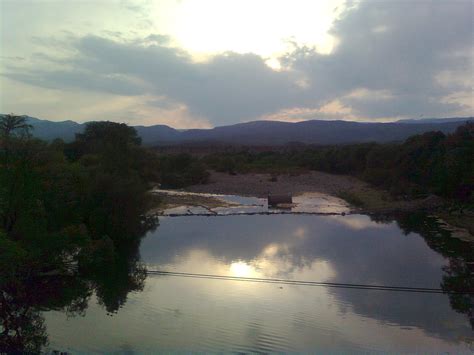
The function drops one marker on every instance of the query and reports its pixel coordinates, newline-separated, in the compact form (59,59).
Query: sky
(206,63)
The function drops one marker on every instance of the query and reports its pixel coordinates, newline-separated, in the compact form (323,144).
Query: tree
(14,125)
(68,224)
(111,145)
(107,137)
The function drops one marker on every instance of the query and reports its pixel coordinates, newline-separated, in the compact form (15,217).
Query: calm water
(177,313)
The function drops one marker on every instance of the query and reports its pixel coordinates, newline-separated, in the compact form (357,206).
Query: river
(183,312)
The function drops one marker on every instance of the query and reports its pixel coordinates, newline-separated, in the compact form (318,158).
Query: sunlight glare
(241,269)
(263,27)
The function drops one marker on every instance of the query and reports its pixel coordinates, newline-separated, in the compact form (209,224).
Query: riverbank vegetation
(71,208)
(71,219)
(72,215)
(431,171)
(430,163)
(180,170)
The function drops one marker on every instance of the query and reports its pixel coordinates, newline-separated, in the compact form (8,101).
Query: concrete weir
(274,200)
(228,205)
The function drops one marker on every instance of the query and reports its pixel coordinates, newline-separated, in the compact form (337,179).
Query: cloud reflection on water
(345,249)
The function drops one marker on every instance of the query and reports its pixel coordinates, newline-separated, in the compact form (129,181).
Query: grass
(171,201)
(458,219)
(351,198)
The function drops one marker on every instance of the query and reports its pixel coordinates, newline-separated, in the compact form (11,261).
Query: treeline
(430,163)
(180,170)
(72,216)
(71,207)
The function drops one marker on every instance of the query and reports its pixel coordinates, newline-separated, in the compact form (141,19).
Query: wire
(261,213)
(309,283)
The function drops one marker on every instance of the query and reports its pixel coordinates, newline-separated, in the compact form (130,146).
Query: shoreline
(361,197)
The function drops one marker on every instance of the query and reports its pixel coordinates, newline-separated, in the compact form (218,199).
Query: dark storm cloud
(399,48)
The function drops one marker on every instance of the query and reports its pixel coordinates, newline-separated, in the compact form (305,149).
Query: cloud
(392,59)
(398,47)
(230,87)
(83,80)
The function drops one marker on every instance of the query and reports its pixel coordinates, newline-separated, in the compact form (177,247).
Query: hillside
(268,132)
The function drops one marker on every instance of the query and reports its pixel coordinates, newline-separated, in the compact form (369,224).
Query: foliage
(179,170)
(70,214)
(12,256)
(351,198)
(12,125)
(430,163)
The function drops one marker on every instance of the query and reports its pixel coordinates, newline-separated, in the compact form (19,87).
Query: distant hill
(313,132)
(436,120)
(49,130)
(268,132)
(158,134)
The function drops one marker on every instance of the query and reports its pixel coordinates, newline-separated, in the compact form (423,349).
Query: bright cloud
(207,63)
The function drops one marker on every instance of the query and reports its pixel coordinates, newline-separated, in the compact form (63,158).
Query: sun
(242,269)
(262,27)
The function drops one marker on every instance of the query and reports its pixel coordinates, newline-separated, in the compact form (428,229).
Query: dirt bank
(362,197)
(359,194)
(260,185)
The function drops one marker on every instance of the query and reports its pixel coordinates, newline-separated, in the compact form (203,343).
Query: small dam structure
(283,199)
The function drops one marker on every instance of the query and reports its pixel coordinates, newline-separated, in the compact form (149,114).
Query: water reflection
(120,309)
(459,272)
(109,281)
(352,249)
(242,269)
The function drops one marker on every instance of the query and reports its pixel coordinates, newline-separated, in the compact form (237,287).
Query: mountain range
(267,132)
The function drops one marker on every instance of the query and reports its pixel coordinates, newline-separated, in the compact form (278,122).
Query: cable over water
(310,283)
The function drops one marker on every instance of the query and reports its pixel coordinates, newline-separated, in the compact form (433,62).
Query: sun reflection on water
(242,269)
